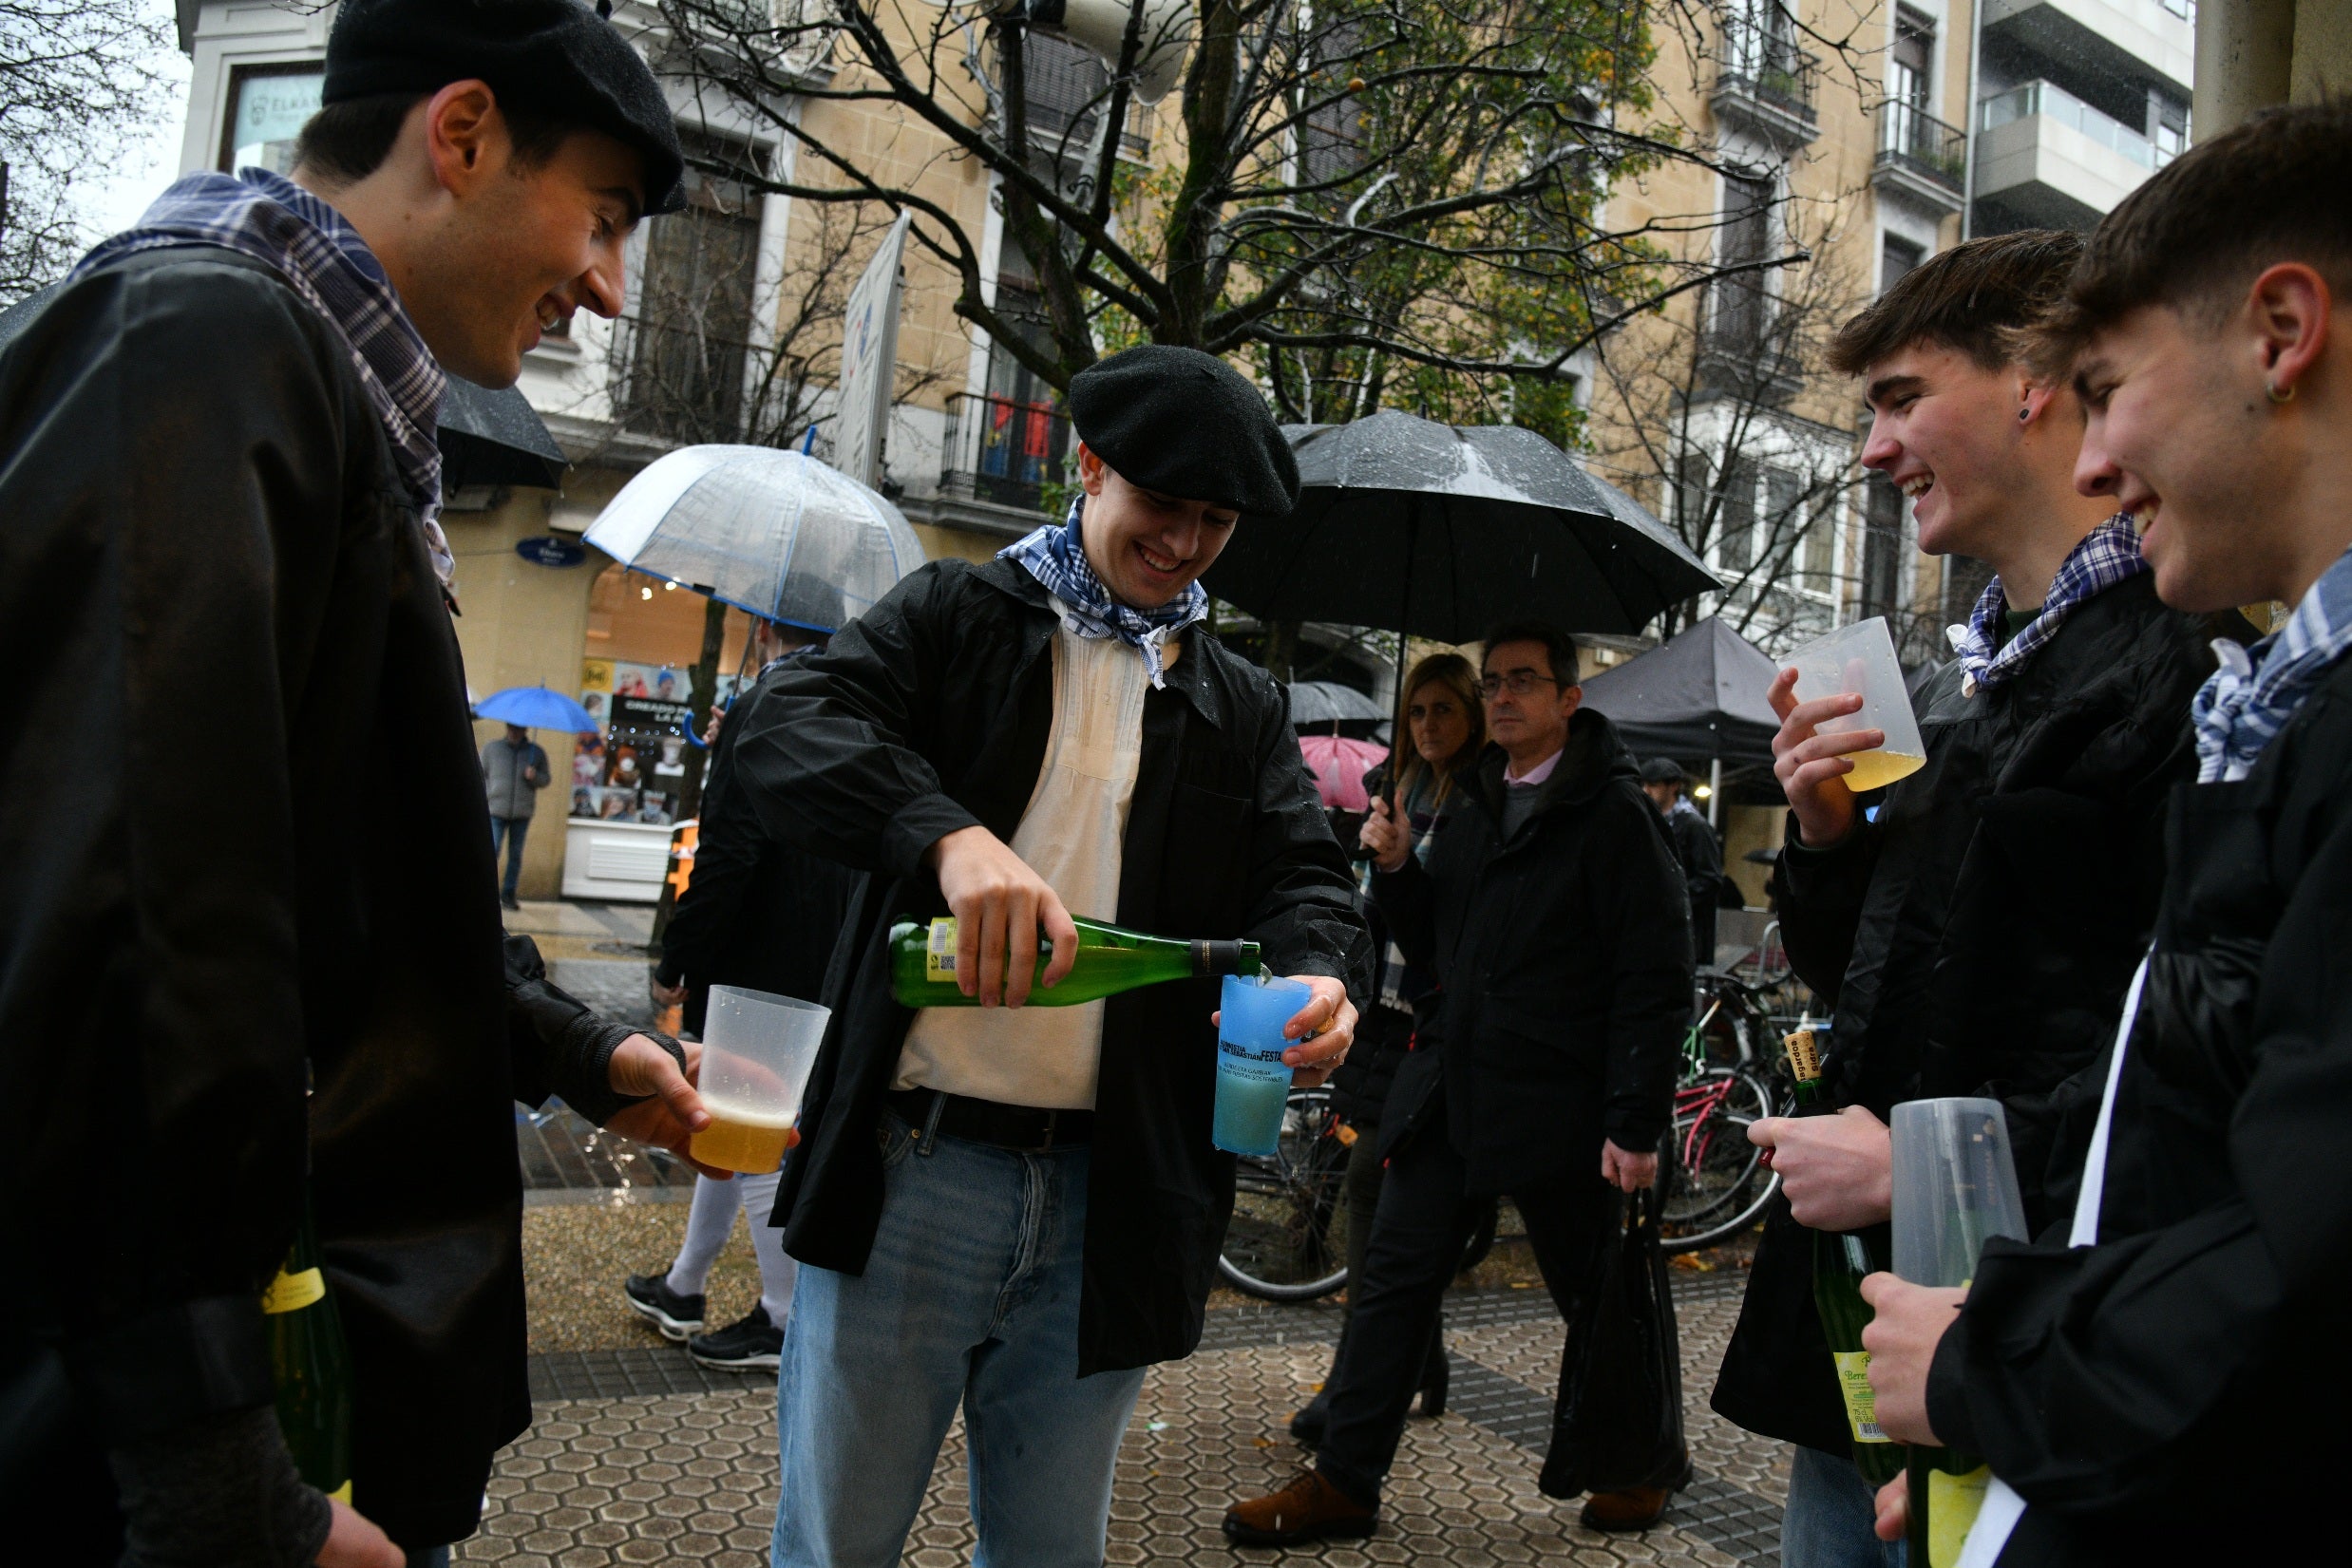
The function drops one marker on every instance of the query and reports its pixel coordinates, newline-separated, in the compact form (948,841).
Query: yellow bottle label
(342,1494)
(1953,1503)
(293,1291)
(939,961)
(1853,1380)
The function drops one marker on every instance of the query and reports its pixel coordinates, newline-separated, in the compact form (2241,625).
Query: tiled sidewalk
(641,1456)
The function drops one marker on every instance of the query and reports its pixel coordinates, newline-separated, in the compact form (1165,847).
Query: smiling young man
(1010,1208)
(217,483)
(1552,913)
(1977,936)
(2164,1379)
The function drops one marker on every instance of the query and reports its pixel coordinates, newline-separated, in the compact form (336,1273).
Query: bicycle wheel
(1717,1182)
(1288,1238)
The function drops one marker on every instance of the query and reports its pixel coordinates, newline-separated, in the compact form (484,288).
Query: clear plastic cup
(1253,1085)
(1955,1187)
(1860,659)
(756,1052)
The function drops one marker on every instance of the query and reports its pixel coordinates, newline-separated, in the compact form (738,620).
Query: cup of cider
(1860,660)
(756,1052)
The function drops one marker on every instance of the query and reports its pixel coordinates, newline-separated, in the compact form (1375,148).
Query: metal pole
(1714,789)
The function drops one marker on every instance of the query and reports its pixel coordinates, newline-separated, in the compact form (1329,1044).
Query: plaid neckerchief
(1054,556)
(322,258)
(2107,556)
(2244,705)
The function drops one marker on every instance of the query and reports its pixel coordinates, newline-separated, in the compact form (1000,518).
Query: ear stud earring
(2277,396)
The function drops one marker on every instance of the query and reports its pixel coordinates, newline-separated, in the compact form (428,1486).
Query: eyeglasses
(1518,683)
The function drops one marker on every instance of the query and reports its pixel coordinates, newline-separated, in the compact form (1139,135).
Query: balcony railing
(2053,101)
(1766,83)
(1910,135)
(1003,450)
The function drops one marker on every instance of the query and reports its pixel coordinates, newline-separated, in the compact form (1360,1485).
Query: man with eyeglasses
(1552,912)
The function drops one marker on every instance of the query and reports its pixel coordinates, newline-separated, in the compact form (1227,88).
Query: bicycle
(1717,1182)
(1288,1240)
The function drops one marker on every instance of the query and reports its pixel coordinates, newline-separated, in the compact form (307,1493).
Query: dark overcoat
(262,850)
(1977,939)
(1564,957)
(931,713)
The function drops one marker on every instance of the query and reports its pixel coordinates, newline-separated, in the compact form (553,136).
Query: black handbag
(1617,1424)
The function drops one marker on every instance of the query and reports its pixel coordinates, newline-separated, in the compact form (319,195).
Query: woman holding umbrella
(1442,725)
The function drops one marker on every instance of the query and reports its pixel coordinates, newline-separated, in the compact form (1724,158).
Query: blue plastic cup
(1253,1084)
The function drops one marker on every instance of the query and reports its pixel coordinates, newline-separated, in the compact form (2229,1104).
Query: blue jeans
(970,1296)
(513,830)
(1829,1514)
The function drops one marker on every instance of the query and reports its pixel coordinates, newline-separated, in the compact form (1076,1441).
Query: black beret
(1663,770)
(1184,424)
(556,57)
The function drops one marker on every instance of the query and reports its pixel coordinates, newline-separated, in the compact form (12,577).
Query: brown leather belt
(1027,1128)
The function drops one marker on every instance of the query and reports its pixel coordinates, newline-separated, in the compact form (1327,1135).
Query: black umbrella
(485,437)
(496,438)
(1322,704)
(1438,532)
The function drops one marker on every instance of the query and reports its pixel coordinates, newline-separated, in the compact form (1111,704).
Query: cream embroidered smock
(1070,834)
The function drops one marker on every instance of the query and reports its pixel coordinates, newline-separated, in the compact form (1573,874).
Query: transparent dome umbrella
(775,533)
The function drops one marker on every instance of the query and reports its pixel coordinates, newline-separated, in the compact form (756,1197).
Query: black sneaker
(651,1297)
(752,1345)
(507,900)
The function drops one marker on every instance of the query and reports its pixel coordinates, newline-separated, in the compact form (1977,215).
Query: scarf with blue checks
(322,258)
(2244,705)
(2107,556)
(1056,557)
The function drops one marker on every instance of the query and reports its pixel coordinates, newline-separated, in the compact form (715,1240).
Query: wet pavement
(639,1456)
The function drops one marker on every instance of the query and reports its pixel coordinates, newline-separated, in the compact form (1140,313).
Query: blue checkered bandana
(2107,556)
(2244,705)
(322,258)
(1054,556)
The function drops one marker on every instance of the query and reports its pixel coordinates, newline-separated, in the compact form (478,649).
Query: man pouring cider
(1010,1208)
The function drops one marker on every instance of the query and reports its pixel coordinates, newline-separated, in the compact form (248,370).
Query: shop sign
(547,550)
(650,714)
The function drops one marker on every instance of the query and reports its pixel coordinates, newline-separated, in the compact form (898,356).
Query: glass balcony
(2054,102)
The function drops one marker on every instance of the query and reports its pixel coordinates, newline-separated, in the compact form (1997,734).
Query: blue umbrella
(536,707)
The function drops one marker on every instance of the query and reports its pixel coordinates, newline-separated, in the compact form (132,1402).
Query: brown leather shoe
(1310,1508)
(1635,1509)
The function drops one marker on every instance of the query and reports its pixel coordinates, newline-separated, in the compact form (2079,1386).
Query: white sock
(777,1269)
(708,1222)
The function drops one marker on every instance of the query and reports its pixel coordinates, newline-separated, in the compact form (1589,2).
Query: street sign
(547,550)
(869,353)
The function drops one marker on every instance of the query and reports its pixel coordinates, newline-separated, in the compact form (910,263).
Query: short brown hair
(2206,224)
(348,141)
(1968,298)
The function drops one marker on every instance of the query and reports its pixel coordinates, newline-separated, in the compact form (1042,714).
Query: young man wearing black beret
(1011,1209)
(218,478)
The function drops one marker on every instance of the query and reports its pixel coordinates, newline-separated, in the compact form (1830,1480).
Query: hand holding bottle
(354,1541)
(1837,1170)
(1812,767)
(1906,1325)
(1000,903)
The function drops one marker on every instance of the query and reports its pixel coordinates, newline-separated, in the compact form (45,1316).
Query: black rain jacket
(269,855)
(2176,1393)
(1977,939)
(757,913)
(1565,957)
(930,714)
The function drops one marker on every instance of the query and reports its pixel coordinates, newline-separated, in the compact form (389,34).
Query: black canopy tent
(1699,695)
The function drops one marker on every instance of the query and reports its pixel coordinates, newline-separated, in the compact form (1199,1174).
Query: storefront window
(270,107)
(644,635)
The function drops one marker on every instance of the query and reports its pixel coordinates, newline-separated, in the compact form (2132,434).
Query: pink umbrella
(1339,767)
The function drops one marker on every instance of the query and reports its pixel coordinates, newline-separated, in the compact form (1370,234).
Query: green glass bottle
(922,964)
(1840,1260)
(311,1365)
